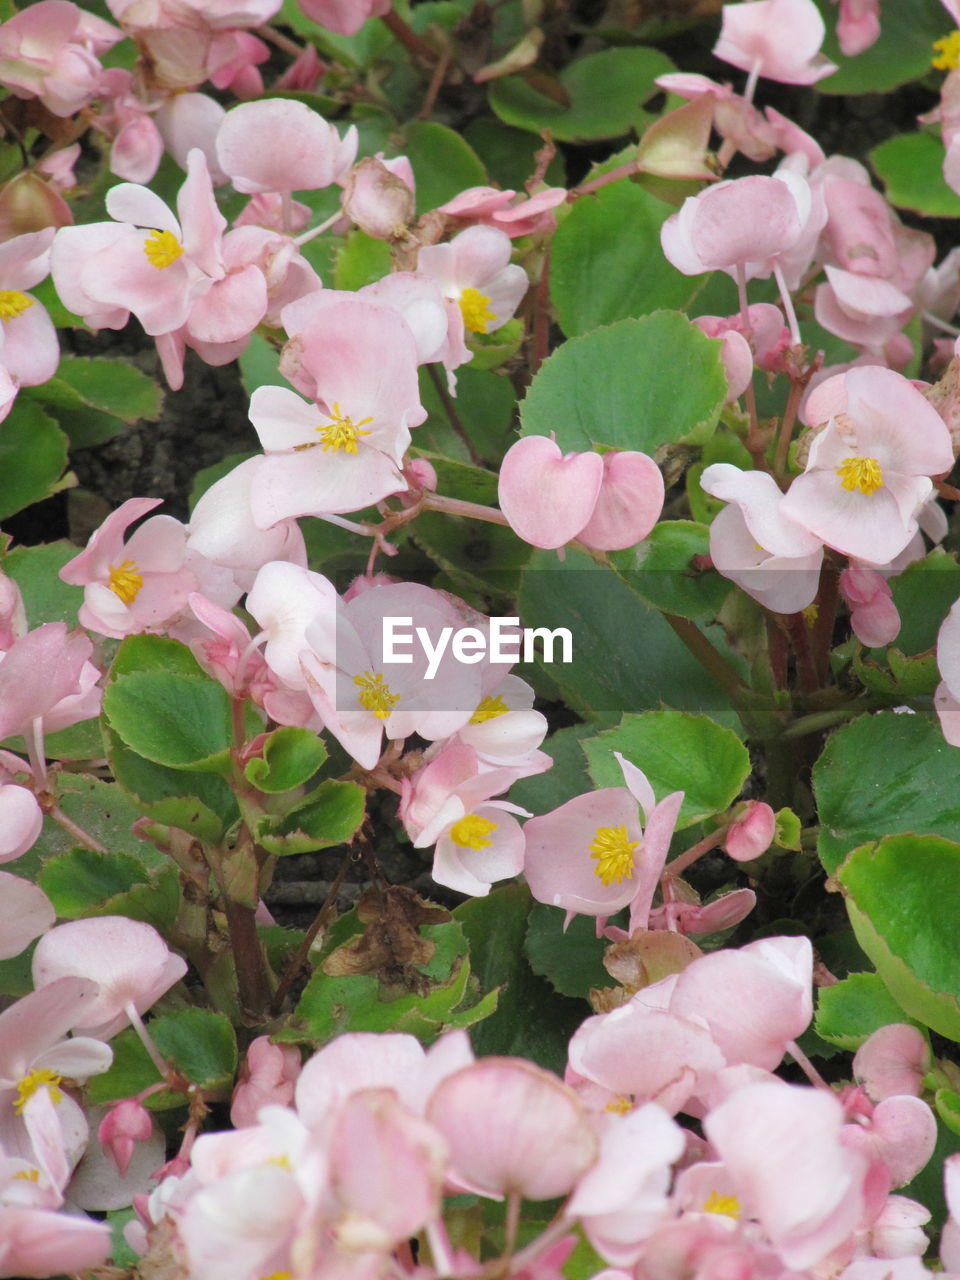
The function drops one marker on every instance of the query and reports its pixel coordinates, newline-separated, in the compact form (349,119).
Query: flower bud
(122,1128)
(378,201)
(752,833)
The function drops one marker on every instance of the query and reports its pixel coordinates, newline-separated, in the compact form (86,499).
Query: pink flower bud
(378,201)
(28,203)
(122,1128)
(752,833)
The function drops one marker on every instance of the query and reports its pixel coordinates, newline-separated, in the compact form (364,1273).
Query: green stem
(724,672)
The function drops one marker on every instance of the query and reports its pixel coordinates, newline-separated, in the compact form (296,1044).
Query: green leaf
(484,405)
(606,262)
(571,960)
(509,154)
(636,384)
(360,261)
(609,675)
(903,899)
(289,758)
(258,365)
(182,722)
(83,878)
(36,570)
(200,1043)
(910,166)
(329,815)
(677,752)
(154,653)
(532,1020)
(330,1006)
(787,834)
(903,52)
(659,570)
(606,92)
(108,385)
(568,777)
(33,454)
(443,163)
(851,1010)
(923,594)
(947,1104)
(884,774)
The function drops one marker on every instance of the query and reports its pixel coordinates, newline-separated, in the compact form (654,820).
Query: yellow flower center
(489,709)
(477,316)
(125,580)
(811,613)
(614,854)
(948,55)
(278,1275)
(716,1203)
(28,1175)
(162,249)
(13,303)
(341,432)
(375,694)
(619,1106)
(472,831)
(861,473)
(39,1078)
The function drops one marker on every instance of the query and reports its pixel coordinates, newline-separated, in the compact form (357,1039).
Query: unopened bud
(378,201)
(752,833)
(122,1128)
(28,203)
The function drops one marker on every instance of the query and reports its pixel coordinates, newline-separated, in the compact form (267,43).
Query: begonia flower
(282,145)
(506,211)
(946,699)
(50,51)
(776,39)
(499,1116)
(874,617)
(21,821)
(592,856)
(268,1077)
(893,1060)
(127,1123)
(25,910)
(131,964)
(46,676)
(482,287)
(342,452)
(868,470)
(858,26)
(606,501)
(29,350)
(344,17)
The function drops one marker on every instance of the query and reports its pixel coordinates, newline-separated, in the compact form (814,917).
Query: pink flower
(345,17)
(128,959)
(858,25)
(282,145)
(776,39)
(268,1077)
(607,501)
(46,676)
(49,51)
(475,275)
(868,470)
(873,615)
(751,834)
(125,1124)
(592,856)
(947,697)
(516,215)
(25,910)
(499,1116)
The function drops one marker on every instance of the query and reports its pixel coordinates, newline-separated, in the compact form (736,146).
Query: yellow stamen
(716,1203)
(341,432)
(614,853)
(39,1078)
(162,249)
(477,316)
(125,580)
(278,1275)
(375,694)
(471,832)
(619,1106)
(282,1162)
(28,1175)
(811,613)
(863,474)
(489,709)
(948,56)
(13,303)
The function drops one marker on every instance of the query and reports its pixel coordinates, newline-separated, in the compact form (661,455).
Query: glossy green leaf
(947,1104)
(606,91)
(330,1005)
(510,154)
(606,262)
(531,1020)
(607,676)
(570,959)
(883,774)
(200,1043)
(678,752)
(110,386)
(33,454)
(179,721)
(330,815)
(36,570)
(83,878)
(910,166)
(361,260)
(483,407)
(443,163)
(636,384)
(289,758)
(903,52)
(851,1010)
(903,899)
(660,570)
(201,803)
